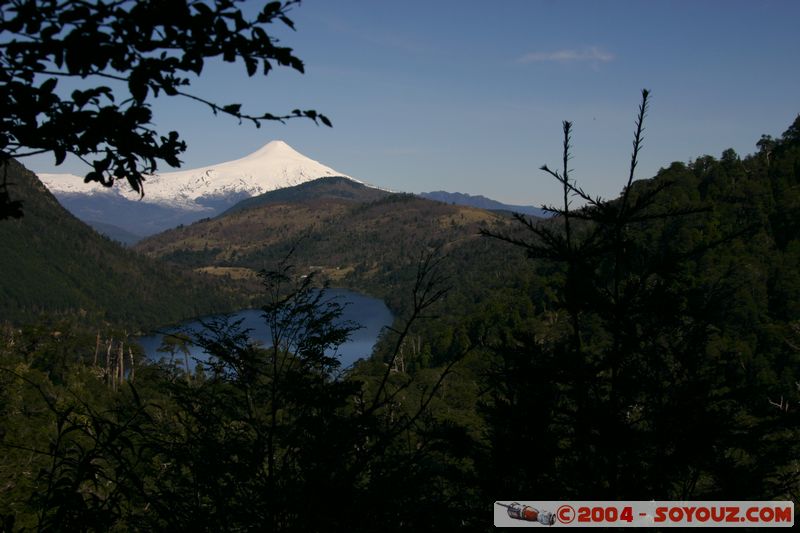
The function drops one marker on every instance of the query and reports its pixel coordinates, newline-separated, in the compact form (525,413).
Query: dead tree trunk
(96,349)
(107,370)
(121,364)
(133,366)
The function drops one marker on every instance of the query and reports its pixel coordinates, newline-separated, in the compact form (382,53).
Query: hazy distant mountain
(174,198)
(137,218)
(115,233)
(483,203)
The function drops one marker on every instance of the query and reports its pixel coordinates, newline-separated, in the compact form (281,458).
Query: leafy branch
(153,48)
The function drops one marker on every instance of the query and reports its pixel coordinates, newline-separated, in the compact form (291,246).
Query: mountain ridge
(275,165)
(184,196)
(483,202)
(332,188)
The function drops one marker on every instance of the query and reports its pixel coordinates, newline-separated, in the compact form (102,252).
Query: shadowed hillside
(53,262)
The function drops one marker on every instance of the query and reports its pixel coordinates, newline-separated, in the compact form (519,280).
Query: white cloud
(592,53)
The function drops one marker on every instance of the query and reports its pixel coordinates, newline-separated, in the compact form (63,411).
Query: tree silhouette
(154,48)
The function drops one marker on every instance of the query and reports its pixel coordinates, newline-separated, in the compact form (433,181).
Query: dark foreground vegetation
(648,348)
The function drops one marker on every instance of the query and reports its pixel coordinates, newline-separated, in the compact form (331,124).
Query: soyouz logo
(518,511)
(644,514)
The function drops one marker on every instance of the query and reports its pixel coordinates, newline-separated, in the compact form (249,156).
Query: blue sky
(469,96)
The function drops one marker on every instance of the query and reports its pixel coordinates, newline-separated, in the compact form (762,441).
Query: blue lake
(369,313)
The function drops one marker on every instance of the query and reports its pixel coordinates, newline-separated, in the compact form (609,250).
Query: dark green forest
(54,265)
(643,347)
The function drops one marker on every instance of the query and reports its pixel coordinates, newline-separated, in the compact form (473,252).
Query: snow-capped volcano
(273,166)
(182,197)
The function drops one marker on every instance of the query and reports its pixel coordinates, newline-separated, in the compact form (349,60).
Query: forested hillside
(663,358)
(643,347)
(52,263)
(355,236)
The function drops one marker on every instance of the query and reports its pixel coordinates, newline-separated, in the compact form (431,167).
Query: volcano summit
(182,197)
